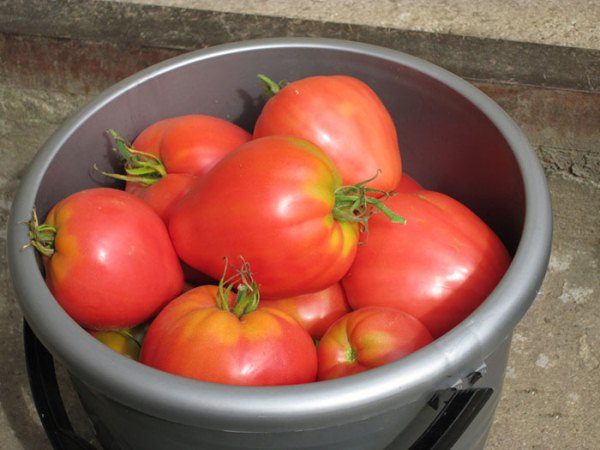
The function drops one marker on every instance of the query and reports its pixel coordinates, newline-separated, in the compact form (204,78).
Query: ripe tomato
(438,267)
(345,118)
(275,201)
(408,184)
(191,144)
(108,258)
(200,335)
(368,338)
(163,195)
(314,311)
(166,159)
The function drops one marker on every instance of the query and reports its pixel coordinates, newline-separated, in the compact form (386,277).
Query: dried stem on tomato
(248,295)
(140,167)
(271,87)
(357,203)
(41,236)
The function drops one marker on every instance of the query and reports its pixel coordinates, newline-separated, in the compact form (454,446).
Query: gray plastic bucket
(453,139)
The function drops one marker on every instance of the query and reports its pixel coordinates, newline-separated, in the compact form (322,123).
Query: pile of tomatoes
(294,254)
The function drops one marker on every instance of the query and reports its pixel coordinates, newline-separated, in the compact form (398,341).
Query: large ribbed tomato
(108,258)
(198,335)
(368,338)
(345,118)
(277,202)
(314,311)
(166,158)
(438,267)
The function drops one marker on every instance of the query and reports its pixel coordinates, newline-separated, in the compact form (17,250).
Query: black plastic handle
(46,395)
(453,419)
(443,432)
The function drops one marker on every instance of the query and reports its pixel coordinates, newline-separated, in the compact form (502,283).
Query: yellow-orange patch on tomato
(349,232)
(260,325)
(378,339)
(64,258)
(322,194)
(220,326)
(347,109)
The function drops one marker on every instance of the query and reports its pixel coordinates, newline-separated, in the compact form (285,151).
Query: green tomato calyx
(248,295)
(271,87)
(357,203)
(140,167)
(41,237)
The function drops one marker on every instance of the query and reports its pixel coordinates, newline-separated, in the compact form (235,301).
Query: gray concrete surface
(551,398)
(571,23)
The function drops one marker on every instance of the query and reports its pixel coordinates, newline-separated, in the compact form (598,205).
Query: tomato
(438,267)
(270,201)
(108,258)
(164,195)
(345,118)
(408,184)
(368,338)
(275,201)
(120,341)
(191,144)
(314,311)
(202,335)
(166,159)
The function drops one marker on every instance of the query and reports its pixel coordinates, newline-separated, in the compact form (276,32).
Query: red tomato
(271,201)
(191,144)
(167,158)
(408,184)
(368,338)
(345,118)
(438,267)
(194,337)
(164,195)
(314,311)
(108,258)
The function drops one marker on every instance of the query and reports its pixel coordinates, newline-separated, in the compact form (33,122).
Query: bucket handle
(445,430)
(46,395)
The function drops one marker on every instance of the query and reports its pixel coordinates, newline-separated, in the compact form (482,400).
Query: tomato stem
(41,237)
(271,87)
(140,167)
(351,355)
(353,204)
(248,295)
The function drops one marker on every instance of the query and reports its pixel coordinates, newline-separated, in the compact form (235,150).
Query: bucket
(453,139)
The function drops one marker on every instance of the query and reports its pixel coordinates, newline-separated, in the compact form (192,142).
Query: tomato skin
(315,311)
(438,267)
(193,338)
(344,117)
(191,144)
(164,195)
(367,338)
(114,265)
(408,184)
(270,201)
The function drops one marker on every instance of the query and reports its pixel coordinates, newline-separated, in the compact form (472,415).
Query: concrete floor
(551,398)
(571,23)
